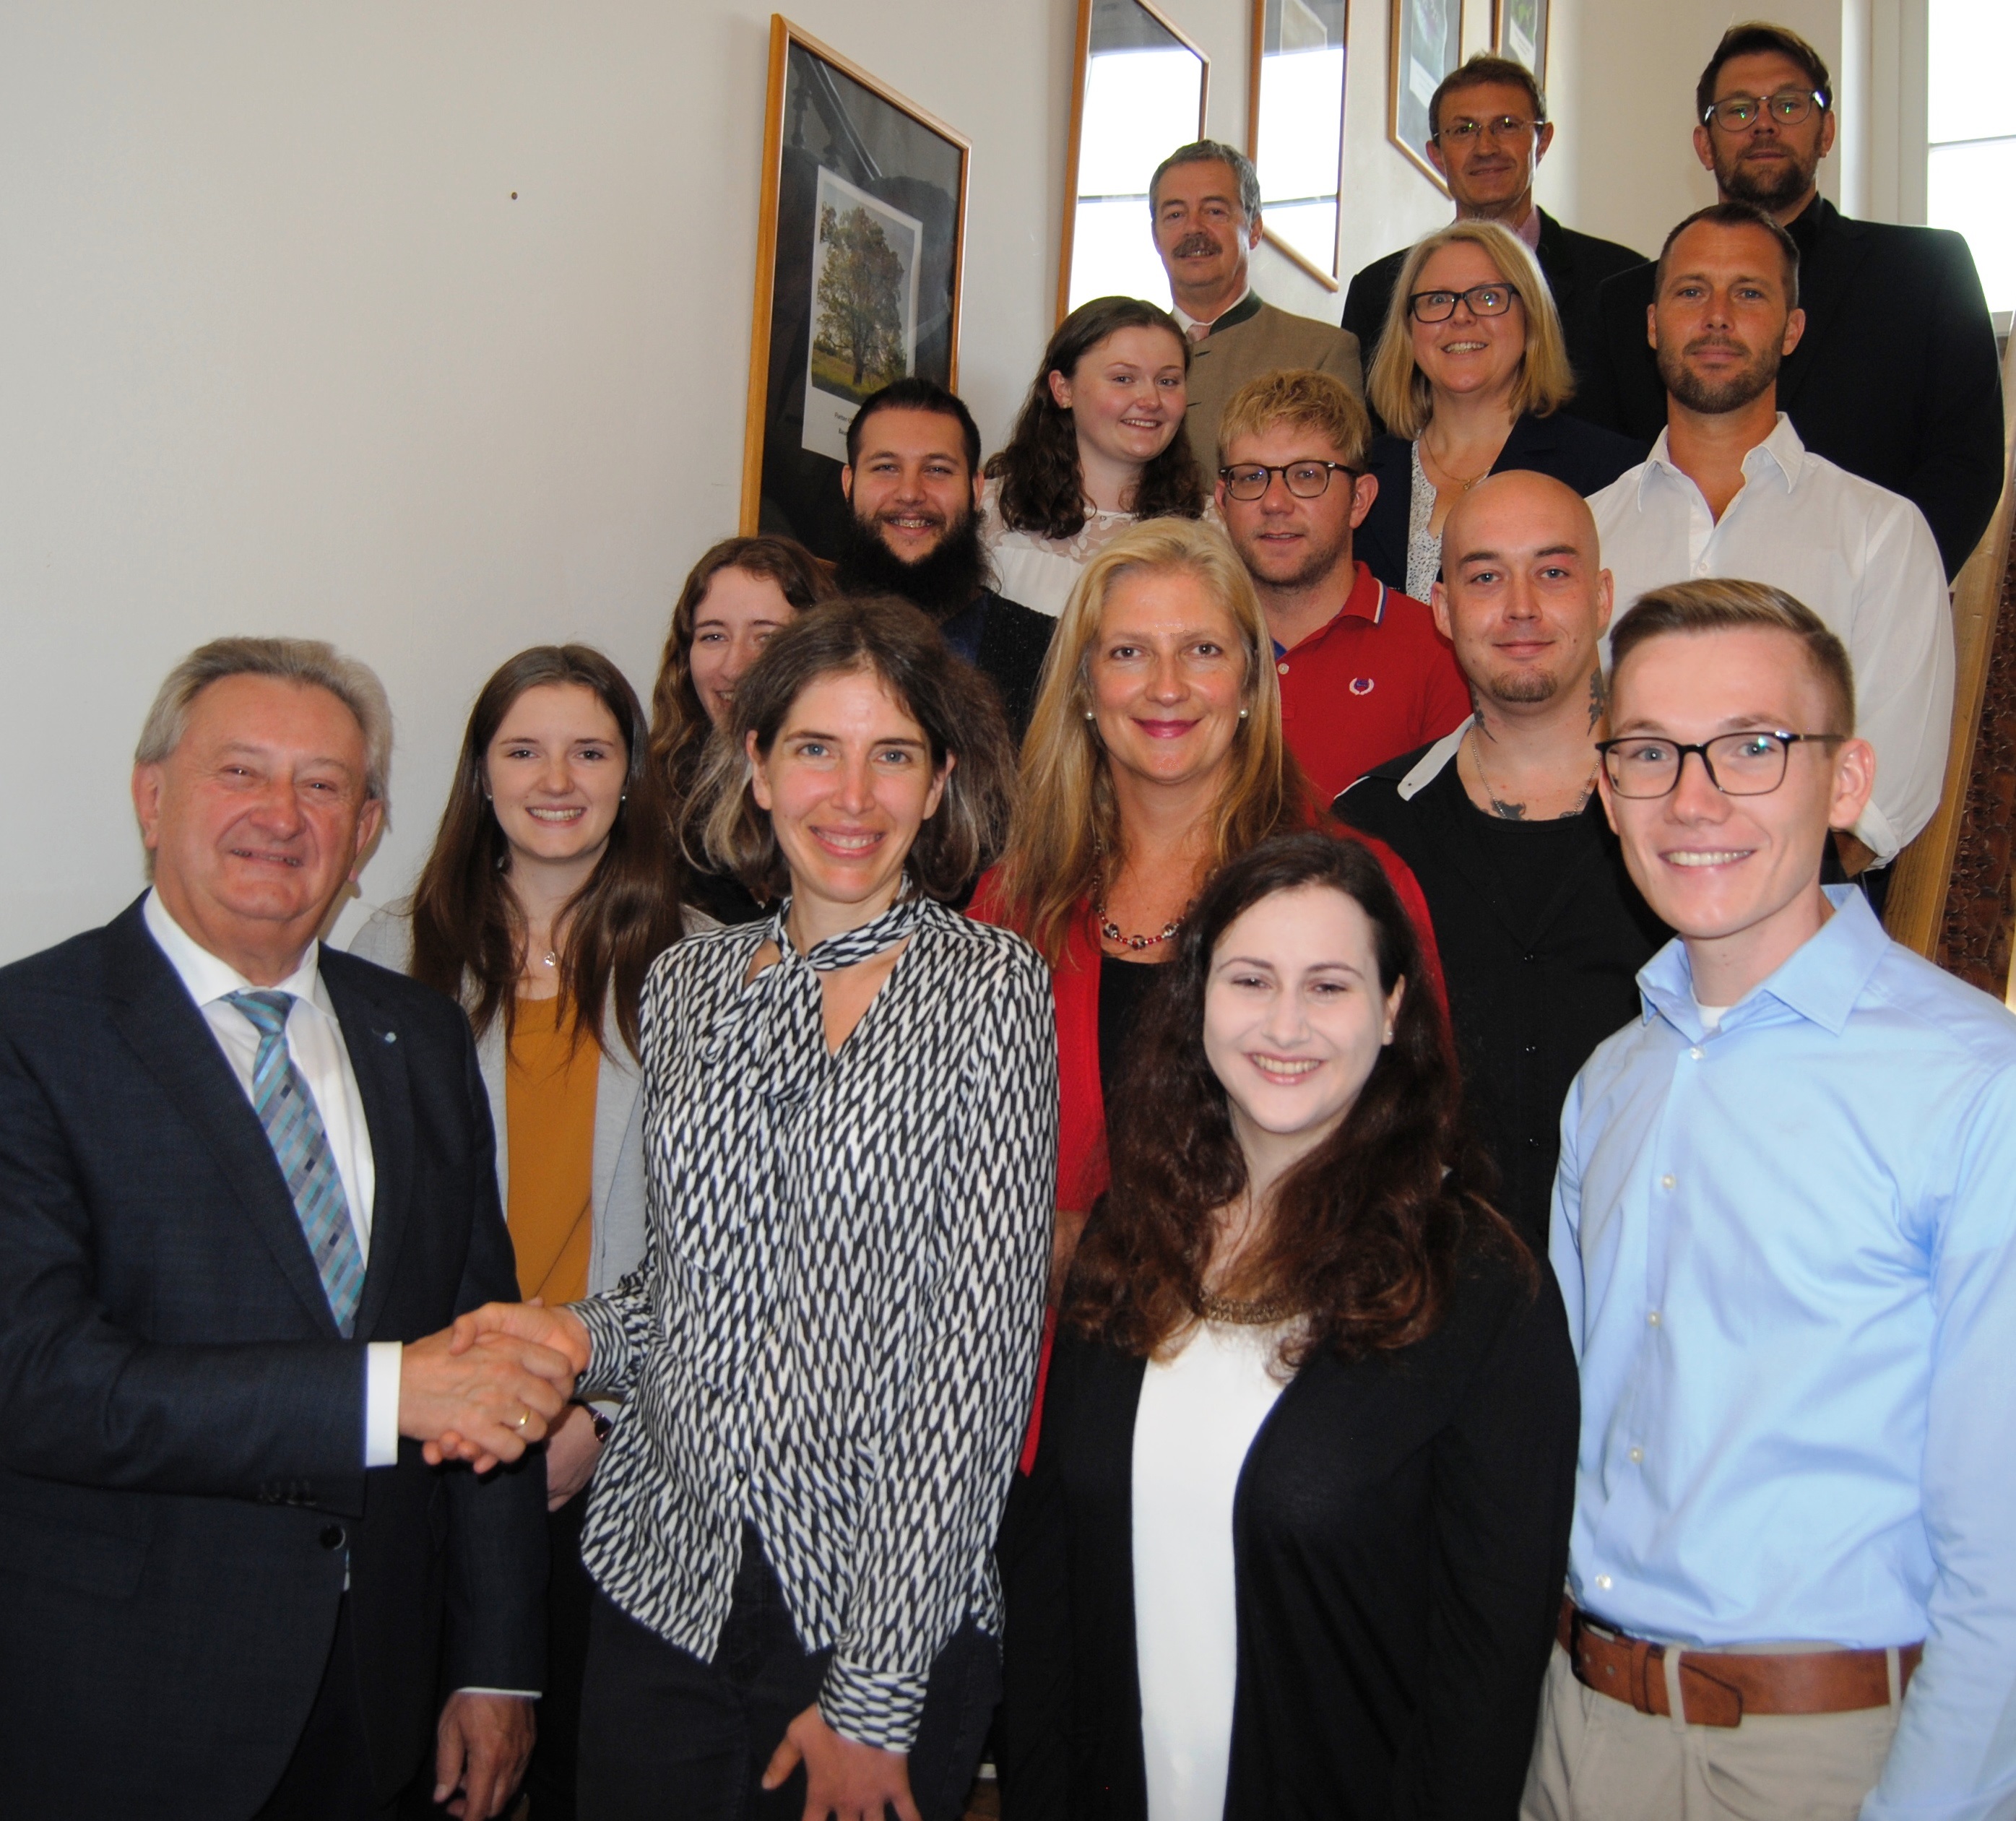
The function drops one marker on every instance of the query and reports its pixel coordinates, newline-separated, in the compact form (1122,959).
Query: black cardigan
(1586,456)
(1400,1534)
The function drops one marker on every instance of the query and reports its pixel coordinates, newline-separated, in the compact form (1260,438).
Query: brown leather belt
(1719,1687)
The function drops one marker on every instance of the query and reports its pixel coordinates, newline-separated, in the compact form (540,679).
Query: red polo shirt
(1378,681)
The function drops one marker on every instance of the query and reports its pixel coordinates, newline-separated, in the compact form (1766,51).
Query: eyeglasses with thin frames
(1249,480)
(1752,764)
(1482,300)
(1738,113)
(1503,127)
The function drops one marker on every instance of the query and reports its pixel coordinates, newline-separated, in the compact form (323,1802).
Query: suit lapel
(378,1059)
(1828,276)
(155,1014)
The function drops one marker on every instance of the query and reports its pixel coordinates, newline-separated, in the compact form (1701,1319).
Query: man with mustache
(913,481)
(1204,201)
(1895,378)
(1488,131)
(1730,490)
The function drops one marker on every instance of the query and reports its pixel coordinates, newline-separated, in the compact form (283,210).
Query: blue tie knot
(267,1011)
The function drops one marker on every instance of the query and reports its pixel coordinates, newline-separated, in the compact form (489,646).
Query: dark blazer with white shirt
(182,1492)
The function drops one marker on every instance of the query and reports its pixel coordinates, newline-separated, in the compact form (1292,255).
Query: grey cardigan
(616,1242)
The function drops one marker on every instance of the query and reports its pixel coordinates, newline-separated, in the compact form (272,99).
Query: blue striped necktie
(287,1109)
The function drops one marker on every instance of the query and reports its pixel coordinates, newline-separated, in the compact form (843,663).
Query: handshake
(484,1389)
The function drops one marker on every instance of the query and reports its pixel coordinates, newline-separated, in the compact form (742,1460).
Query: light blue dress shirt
(1785,1249)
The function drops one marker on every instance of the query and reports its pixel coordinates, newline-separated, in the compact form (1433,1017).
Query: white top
(1041,572)
(1198,1414)
(1860,557)
(315,1042)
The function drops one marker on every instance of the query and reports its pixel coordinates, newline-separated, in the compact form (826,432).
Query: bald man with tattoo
(1541,930)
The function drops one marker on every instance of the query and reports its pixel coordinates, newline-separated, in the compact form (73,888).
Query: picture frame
(1127,115)
(860,262)
(1519,30)
(1295,103)
(1425,43)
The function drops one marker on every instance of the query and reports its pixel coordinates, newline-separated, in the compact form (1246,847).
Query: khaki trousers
(1597,1760)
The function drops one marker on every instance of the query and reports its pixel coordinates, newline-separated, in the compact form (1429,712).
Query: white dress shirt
(1189,323)
(1861,557)
(315,1042)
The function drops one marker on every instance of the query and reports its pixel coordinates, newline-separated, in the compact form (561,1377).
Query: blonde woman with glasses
(1469,377)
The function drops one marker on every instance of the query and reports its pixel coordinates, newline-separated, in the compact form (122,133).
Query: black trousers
(665,1736)
(329,1777)
(550,1777)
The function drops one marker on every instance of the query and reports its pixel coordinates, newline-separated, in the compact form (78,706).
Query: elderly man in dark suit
(1489,131)
(245,1184)
(1895,378)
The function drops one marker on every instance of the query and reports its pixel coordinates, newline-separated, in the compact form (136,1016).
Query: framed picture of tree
(860,252)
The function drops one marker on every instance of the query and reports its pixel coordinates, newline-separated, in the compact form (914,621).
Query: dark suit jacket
(1585,456)
(1400,1532)
(181,1426)
(1013,642)
(1895,378)
(1575,265)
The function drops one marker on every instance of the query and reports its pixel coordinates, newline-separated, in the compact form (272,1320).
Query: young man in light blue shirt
(1782,1225)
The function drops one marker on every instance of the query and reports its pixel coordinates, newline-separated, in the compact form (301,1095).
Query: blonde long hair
(1399,389)
(1067,838)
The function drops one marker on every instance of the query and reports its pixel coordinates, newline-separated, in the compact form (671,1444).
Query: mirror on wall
(1139,93)
(1295,127)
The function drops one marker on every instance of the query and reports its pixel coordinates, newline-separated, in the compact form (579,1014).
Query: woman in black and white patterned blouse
(828,1354)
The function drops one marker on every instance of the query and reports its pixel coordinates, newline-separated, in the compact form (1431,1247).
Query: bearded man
(1730,490)
(912,483)
(1897,377)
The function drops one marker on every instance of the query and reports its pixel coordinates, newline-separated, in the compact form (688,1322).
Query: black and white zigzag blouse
(834,1333)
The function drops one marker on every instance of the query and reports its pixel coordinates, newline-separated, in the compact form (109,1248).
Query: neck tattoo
(1507,811)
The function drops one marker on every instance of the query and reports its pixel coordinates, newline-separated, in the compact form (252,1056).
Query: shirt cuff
(873,1707)
(381,1403)
(608,1350)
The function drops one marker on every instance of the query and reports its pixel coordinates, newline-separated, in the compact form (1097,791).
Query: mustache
(1194,246)
(1726,343)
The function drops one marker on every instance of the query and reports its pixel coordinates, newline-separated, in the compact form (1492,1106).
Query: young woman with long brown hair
(1098,446)
(549,892)
(1309,1452)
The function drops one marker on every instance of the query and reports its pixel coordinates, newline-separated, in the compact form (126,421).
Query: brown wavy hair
(1041,491)
(469,934)
(1367,1234)
(679,720)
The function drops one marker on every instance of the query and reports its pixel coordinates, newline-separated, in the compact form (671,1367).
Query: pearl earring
(1242,714)
(1088,714)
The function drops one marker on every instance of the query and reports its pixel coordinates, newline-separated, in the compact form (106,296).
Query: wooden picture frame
(1073,156)
(1324,272)
(1519,30)
(1423,43)
(860,261)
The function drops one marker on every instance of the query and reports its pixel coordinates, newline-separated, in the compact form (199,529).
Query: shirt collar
(1820,982)
(1430,765)
(207,977)
(1781,449)
(1228,316)
(1366,601)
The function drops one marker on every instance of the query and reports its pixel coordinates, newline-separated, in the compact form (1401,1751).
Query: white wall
(278,352)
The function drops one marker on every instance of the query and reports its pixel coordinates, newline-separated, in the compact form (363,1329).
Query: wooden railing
(1967,927)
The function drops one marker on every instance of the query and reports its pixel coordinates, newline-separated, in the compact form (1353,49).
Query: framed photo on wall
(860,253)
(1426,37)
(1295,127)
(1519,30)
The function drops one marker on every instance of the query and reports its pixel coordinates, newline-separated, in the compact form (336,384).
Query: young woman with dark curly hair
(1098,446)
(1309,1444)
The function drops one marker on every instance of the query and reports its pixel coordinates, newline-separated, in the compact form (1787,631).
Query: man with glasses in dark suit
(1895,378)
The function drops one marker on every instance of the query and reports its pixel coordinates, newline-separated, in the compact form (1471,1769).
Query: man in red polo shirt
(1364,673)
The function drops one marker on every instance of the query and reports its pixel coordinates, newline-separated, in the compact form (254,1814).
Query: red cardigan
(1082,1165)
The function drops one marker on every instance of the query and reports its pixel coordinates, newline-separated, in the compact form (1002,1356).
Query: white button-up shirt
(314,1040)
(1862,558)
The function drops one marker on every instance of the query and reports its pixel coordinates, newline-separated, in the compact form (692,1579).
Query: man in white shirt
(1729,491)
(1204,202)
(246,1184)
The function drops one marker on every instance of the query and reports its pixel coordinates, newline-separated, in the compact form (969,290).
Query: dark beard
(1714,398)
(1768,187)
(941,583)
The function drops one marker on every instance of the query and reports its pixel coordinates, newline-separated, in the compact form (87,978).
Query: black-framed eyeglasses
(1737,113)
(1304,479)
(1738,765)
(1504,126)
(1440,305)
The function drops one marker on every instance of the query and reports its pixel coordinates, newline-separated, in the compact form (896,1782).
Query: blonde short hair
(1399,389)
(1306,400)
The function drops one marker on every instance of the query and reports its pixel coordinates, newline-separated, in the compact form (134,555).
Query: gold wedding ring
(524,1416)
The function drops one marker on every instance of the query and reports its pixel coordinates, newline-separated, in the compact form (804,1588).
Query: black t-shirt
(1124,987)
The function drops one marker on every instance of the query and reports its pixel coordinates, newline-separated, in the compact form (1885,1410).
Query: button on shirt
(1861,557)
(1376,681)
(1785,1245)
(315,1042)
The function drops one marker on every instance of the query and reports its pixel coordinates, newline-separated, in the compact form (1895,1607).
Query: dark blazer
(1013,642)
(1895,378)
(1586,457)
(1574,265)
(181,1426)
(1400,1533)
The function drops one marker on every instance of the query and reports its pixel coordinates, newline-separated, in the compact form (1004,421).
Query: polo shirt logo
(1361,685)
